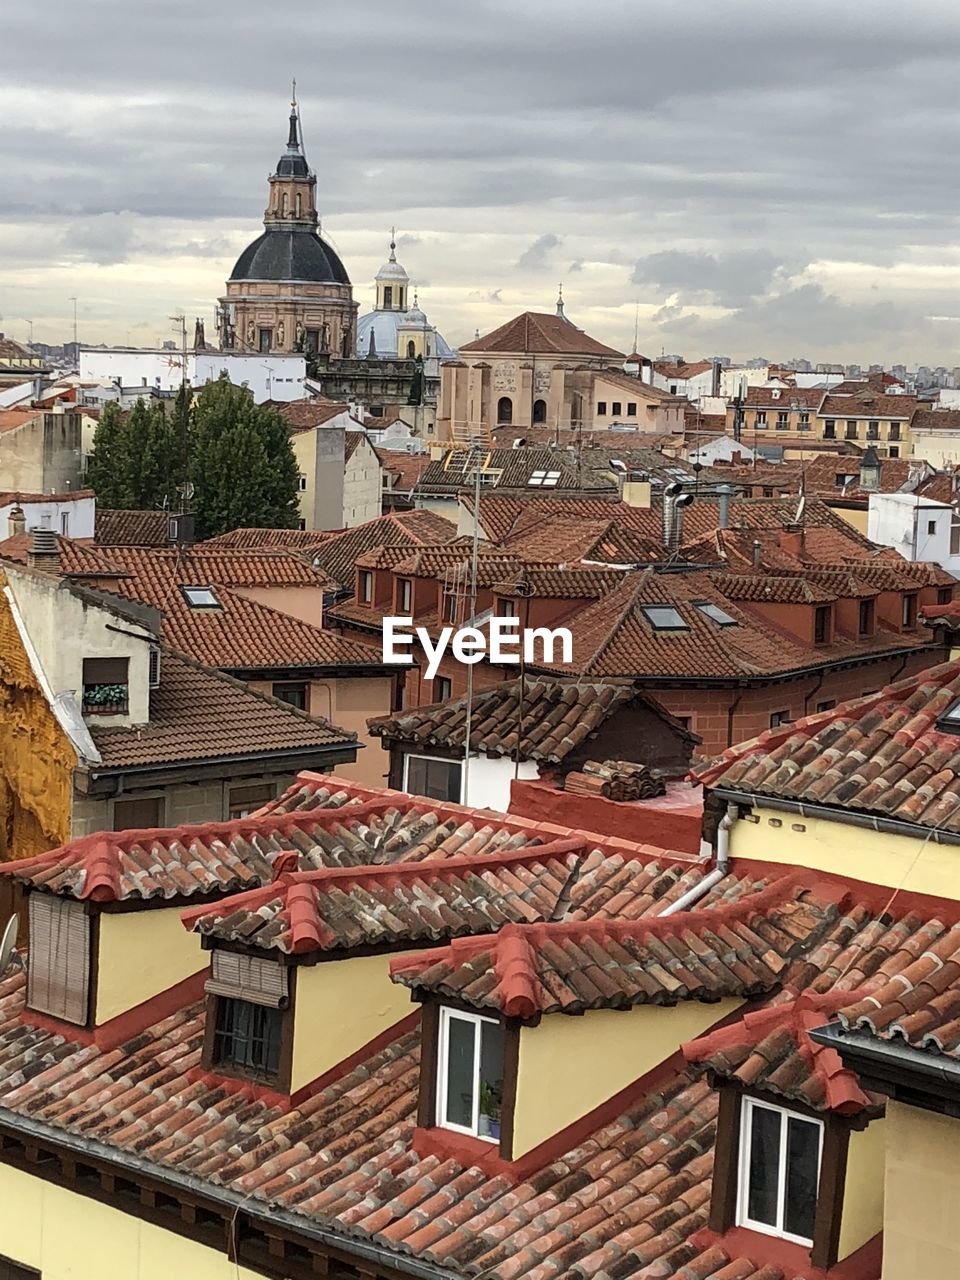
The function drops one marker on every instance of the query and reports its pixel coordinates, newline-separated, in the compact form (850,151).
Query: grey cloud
(537,256)
(730,279)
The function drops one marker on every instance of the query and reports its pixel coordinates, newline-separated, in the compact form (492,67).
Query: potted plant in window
(105,699)
(490,1101)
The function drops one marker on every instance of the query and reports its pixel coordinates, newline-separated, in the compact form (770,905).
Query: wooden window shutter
(248,978)
(105,670)
(58,971)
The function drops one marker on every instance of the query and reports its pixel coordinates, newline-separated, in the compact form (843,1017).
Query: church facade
(289,291)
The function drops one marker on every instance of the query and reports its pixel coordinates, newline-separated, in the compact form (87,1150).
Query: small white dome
(392,270)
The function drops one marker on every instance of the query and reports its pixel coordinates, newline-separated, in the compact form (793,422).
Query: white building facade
(162,370)
(920,529)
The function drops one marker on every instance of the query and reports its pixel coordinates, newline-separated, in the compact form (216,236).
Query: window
(388,295)
(405,594)
(866,617)
(909,612)
(931,528)
(428,776)
(65,523)
(301,524)
(944,595)
(153,668)
(685,721)
(601,408)
(242,801)
(783,422)
(821,624)
(539,410)
(873,430)
(266,338)
(893,432)
(546,479)
(779,1171)
(200,597)
(505,409)
(779,718)
(470,1074)
(451,608)
(294,693)
(761,418)
(142,814)
(58,975)
(443,689)
(893,451)
(10,1270)
(804,422)
(366,587)
(616,407)
(250,994)
(664,617)
(715,613)
(507,609)
(827,705)
(301,481)
(852,429)
(631,408)
(105,686)
(830,429)
(673,388)
(955,534)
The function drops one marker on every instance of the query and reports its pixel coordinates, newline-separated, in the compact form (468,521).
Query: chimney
(790,539)
(44,552)
(870,470)
(676,531)
(17,522)
(724,493)
(756,553)
(670,493)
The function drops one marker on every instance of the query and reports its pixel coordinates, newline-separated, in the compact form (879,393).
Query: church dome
(290,254)
(392,270)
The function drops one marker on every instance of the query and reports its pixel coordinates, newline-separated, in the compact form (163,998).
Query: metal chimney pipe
(676,531)
(724,493)
(671,492)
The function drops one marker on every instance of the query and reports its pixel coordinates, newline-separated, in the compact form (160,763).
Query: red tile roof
(737,949)
(79,558)
(304,415)
(868,404)
(935,420)
(771,1049)
(882,754)
(540,333)
(339,554)
(303,540)
(673,369)
(132,528)
(784,399)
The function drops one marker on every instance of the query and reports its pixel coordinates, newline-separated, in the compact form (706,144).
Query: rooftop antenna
(636,329)
(560,302)
(468,727)
(8,945)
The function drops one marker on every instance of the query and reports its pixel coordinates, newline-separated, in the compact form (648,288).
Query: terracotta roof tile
(132,528)
(339,554)
(79,558)
(539,332)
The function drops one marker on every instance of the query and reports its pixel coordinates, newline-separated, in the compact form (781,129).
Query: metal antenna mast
(465,794)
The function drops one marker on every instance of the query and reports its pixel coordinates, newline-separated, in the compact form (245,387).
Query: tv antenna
(8,946)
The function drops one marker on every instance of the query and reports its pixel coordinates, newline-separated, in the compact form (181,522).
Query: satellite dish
(8,944)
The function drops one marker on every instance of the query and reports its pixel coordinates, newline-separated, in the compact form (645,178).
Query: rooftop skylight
(715,613)
(200,597)
(664,617)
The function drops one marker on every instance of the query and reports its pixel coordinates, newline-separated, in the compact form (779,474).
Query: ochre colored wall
(354,702)
(568,1066)
(341,1005)
(920,1237)
(305,603)
(36,758)
(862,1214)
(141,954)
(66,1236)
(876,857)
(858,517)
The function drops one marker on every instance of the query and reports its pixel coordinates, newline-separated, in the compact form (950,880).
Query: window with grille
(58,973)
(251,993)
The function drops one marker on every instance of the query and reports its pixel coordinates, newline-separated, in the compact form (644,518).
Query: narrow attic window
(779,1171)
(200,597)
(715,613)
(58,976)
(249,994)
(663,617)
(544,479)
(470,1074)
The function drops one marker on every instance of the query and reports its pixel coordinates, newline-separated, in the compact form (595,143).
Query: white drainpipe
(716,875)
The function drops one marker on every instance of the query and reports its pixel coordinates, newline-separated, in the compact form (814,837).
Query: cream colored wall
(920,1237)
(362,486)
(355,701)
(863,1188)
(568,1066)
(142,953)
(876,857)
(856,518)
(939,448)
(305,603)
(66,1236)
(304,444)
(340,1006)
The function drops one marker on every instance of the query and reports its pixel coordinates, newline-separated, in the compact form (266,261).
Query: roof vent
(44,552)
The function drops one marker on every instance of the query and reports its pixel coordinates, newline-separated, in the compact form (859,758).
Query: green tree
(108,466)
(152,457)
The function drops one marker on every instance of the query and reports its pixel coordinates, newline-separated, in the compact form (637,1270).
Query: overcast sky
(750,177)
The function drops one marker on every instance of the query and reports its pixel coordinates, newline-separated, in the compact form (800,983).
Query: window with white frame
(470,1074)
(432,777)
(779,1171)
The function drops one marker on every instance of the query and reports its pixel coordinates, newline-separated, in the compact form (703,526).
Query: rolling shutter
(58,971)
(248,978)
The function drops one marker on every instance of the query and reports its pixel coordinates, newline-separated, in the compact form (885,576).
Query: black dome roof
(282,254)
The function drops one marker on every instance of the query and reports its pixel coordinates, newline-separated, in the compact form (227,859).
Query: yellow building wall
(341,1005)
(66,1236)
(920,1237)
(36,758)
(141,954)
(568,1066)
(304,444)
(877,857)
(856,518)
(863,1189)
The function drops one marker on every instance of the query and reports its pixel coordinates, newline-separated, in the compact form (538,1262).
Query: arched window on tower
(411,350)
(539,410)
(504,410)
(283,205)
(299,197)
(400,297)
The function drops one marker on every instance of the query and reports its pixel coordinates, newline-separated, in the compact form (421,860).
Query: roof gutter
(231,1201)
(869,821)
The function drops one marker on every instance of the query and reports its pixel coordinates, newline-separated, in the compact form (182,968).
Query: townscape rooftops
(340,552)
(524,469)
(540,333)
(884,754)
(304,415)
(132,528)
(78,557)
(302,540)
(867,403)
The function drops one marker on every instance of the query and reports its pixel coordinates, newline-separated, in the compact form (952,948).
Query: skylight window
(715,613)
(949,722)
(664,617)
(200,597)
(546,479)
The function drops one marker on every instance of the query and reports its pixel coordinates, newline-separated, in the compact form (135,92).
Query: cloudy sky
(747,177)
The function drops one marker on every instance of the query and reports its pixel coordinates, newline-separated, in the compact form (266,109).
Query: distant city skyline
(668,171)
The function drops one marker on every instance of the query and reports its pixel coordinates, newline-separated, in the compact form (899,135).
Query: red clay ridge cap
(102,880)
(307,930)
(516,972)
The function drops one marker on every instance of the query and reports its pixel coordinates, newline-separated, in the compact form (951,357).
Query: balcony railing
(105,699)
